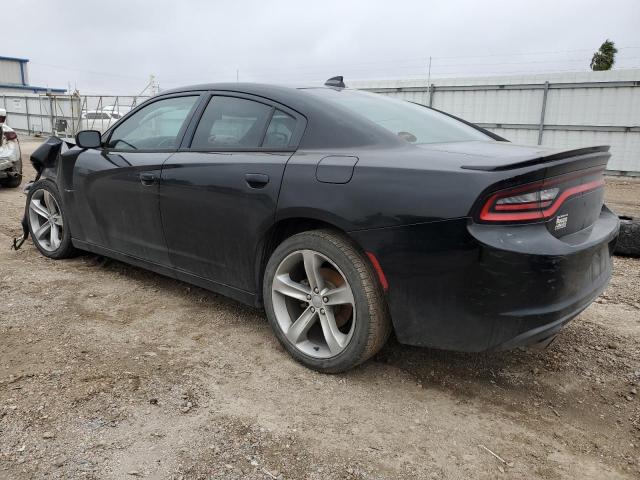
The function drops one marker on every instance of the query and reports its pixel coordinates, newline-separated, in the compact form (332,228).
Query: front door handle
(148,178)
(256,180)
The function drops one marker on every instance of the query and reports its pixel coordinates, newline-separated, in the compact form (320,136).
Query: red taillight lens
(539,200)
(10,135)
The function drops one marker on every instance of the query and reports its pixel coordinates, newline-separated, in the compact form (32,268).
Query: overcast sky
(113,46)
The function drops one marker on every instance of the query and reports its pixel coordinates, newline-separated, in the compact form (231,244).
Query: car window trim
(179,138)
(296,136)
(265,127)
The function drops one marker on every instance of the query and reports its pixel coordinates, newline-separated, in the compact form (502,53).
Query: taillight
(10,135)
(539,200)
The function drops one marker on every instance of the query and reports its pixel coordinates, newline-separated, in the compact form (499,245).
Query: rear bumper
(461,286)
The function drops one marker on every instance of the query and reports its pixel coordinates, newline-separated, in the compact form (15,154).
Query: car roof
(244,86)
(287,95)
(328,125)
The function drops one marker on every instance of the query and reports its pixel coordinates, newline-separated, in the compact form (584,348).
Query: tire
(44,205)
(629,237)
(13,181)
(350,300)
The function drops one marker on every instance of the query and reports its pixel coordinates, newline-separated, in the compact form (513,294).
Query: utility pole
(429,74)
(237,75)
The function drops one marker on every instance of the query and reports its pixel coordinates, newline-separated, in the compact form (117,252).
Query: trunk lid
(498,156)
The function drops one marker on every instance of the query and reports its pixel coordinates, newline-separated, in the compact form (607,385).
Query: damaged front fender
(45,160)
(47,155)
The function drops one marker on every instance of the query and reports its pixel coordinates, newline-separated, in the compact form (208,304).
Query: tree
(605,57)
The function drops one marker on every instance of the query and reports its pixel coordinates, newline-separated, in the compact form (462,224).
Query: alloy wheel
(45,217)
(313,304)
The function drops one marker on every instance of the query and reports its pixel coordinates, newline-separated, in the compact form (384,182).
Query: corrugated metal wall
(10,72)
(581,109)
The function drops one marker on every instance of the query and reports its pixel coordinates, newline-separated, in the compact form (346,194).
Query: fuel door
(336,169)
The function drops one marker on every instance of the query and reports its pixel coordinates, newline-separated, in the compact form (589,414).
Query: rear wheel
(48,227)
(629,237)
(324,302)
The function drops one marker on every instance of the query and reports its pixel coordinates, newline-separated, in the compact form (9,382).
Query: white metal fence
(558,110)
(65,114)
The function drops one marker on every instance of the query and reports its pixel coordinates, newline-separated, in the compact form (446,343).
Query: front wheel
(48,225)
(324,301)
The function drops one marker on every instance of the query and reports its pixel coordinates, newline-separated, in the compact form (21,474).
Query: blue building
(14,77)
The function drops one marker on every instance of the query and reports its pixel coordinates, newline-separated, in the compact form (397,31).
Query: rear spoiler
(577,152)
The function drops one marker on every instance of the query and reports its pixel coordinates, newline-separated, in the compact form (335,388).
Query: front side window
(154,127)
(413,123)
(231,122)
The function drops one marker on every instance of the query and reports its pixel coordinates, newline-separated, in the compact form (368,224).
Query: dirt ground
(109,371)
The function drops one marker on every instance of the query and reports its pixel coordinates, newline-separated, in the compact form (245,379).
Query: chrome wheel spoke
(55,236)
(336,340)
(284,285)
(298,329)
(312,263)
(44,228)
(339,296)
(49,202)
(57,219)
(37,207)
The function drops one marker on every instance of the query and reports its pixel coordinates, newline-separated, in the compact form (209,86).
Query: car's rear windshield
(414,123)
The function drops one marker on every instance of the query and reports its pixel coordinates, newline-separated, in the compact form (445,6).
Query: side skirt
(226,290)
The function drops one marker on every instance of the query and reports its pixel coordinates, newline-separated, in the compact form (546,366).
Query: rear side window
(231,122)
(280,130)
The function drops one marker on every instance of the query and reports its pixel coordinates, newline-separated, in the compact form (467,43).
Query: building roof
(24,86)
(15,59)
(32,88)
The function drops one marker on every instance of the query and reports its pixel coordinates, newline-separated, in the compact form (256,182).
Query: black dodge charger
(346,215)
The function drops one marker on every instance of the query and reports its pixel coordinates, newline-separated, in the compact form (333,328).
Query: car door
(218,195)
(116,187)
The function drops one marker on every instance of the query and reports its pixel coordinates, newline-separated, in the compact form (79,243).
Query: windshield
(414,123)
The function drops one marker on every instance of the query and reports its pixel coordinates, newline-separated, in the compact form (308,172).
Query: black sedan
(347,215)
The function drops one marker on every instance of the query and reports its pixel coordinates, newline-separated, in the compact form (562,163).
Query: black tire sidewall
(354,353)
(66,248)
(629,238)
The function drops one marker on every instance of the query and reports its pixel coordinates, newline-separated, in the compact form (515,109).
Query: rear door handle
(148,178)
(256,180)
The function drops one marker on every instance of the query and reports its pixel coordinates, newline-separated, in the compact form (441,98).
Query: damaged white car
(10,156)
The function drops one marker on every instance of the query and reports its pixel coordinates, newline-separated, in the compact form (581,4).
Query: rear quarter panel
(389,187)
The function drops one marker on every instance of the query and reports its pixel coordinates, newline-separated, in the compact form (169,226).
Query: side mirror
(89,139)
